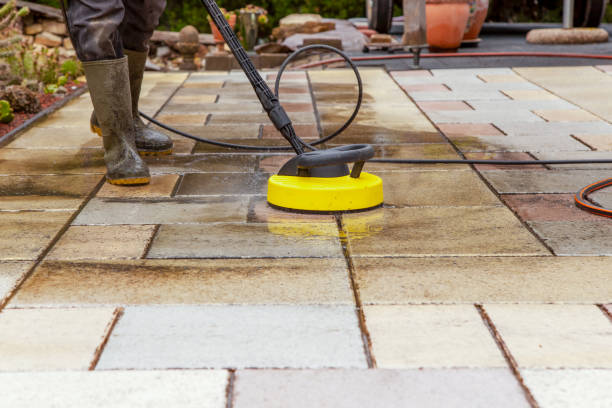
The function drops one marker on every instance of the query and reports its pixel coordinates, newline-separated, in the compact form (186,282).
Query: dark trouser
(101,29)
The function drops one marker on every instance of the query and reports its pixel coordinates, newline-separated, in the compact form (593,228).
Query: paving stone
(570,388)
(42,138)
(530,94)
(529,104)
(584,155)
(205,184)
(379,134)
(536,181)
(554,336)
(46,161)
(603,198)
(484,279)
(235,336)
(462,95)
(576,237)
(188,282)
(278,240)
(100,211)
(51,339)
(377,388)
(160,186)
(273,163)
(420,73)
(204,163)
(261,212)
(553,129)
(509,156)
(303,131)
(566,115)
(554,143)
(546,207)
(103,242)
(469,129)
(38,203)
(184,105)
(496,78)
(136,389)
(425,88)
(10,274)
(224,132)
(605,68)
(481,116)
(24,235)
(182,119)
(430,336)
(444,106)
(597,142)
(436,188)
(42,185)
(442,231)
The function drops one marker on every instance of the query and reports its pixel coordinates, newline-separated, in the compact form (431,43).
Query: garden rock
(48,39)
(567,36)
(54,27)
(33,29)
(302,24)
(21,99)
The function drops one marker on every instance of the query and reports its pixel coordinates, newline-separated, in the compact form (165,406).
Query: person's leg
(93,25)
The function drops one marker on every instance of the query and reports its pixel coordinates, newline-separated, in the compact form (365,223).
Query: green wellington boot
(109,86)
(148,141)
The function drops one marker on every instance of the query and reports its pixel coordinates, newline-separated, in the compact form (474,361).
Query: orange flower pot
(446,22)
(478,14)
(217,34)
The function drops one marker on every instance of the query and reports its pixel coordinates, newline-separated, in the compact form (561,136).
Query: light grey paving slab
(288,240)
(570,388)
(235,336)
(482,116)
(551,143)
(537,181)
(377,389)
(509,106)
(10,274)
(514,128)
(475,95)
(460,72)
(586,155)
(576,237)
(603,198)
(118,389)
(100,211)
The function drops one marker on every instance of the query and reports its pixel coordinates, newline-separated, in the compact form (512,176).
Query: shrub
(6,112)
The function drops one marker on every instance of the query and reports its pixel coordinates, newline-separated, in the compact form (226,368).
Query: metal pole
(568,13)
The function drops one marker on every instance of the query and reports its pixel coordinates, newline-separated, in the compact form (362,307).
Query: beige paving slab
(430,336)
(103,242)
(59,185)
(49,138)
(39,203)
(24,235)
(566,115)
(597,142)
(160,186)
(120,389)
(57,161)
(555,336)
(484,279)
(529,94)
(437,231)
(10,275)
(51,339)
(235,281)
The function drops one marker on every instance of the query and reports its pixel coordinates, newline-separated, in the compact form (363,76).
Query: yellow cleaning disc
(334,194)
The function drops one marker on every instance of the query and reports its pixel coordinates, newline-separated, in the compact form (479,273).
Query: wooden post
(415,24)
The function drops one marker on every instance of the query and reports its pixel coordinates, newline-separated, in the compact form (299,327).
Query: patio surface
(474,286)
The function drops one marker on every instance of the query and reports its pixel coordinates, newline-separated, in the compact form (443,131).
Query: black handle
(357,153)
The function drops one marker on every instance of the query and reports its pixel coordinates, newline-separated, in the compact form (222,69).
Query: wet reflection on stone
(203,108)
(208,148)
(46,161)
(39,203)
(363,225)
(223,184)
(223,132)
(272,164)
(260,211)
(47,185)
(202,163)
(361,133)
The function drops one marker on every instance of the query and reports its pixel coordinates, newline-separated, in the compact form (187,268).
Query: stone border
(13,134)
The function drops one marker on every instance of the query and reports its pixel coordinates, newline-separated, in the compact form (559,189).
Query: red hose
(460,55)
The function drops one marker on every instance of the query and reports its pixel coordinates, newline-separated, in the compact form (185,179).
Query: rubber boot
(108,82)
(148,141)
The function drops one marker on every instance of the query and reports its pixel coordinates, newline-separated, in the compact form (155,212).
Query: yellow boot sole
(129,181)
(97,130)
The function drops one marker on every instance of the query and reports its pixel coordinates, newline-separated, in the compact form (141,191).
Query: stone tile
(556,143)
(261,212)
(303,131)
(430,336)
(501,78)
(10,275)
(51,339)
(43,138)
(205,163)
(566,115)
(529,94)
(444,106)
(187,282)
(273,163)
(584,155)
(597,142)
(425,88)
(510,156)
(278,240)
(160,186)
(469,129)
(24,235)
(484,279)
(420,73)
(39,203)
(235,336)
(602,198)
(481,116)
(437,231)
(512,105)
(555,336)
(206,184)
(103,242)
(43,185)
(604,68)
(536,181)
(569,388)
(182,119)
(576,237)
(172,211)
(137,389)
(546,207)
(381,134)
(224,132)
(377,388)
(553,129)
(260,144)
(459,95)
(46,161)
(436,188)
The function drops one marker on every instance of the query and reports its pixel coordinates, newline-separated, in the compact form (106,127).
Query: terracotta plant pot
(478,14)
(446,22)
(217,34)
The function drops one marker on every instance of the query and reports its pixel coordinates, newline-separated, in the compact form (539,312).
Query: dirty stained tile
(554,336)
(224,132)
(103,242)
(39,203)
(580,155)
(231,240)
(377,388)
(203,148)
(506,156)
(303,131)
(208,163)
(469,129)
(10,275)
(24,235)
(235,336)
(547,207)
(470,280)
(196,282)
(97,389)
(51,339)
(68,138)
(380,134)
(437,231)
(56,161)
(569,237)
(205,184)
(430,336)
(536,181)
(109,211)
(160,186)
(261,212)
(184,119)
(72,186)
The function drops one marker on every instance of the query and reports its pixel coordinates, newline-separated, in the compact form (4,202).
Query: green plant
(8,36)
(6,112)
(71,68)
